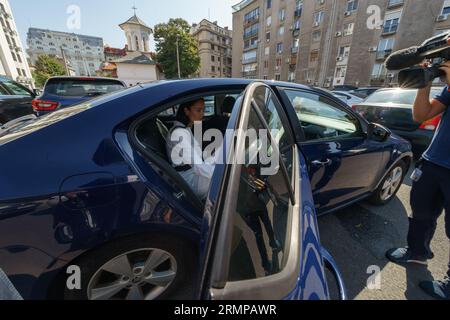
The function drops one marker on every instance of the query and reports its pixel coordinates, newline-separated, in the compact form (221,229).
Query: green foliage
(166,50)
(47,66)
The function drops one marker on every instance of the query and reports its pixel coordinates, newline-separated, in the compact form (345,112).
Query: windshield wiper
(15,123)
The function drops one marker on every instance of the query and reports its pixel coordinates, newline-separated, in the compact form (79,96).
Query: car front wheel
(389,186)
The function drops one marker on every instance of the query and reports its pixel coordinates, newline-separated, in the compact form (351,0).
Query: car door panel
(301,275)
(343,163)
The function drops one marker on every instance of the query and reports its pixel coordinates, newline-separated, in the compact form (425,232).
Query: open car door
(260,234)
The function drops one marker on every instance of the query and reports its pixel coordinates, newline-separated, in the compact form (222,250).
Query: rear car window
(399,96)
(81,87)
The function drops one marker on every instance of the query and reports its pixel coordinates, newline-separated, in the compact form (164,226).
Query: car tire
(393,181)
(96,266)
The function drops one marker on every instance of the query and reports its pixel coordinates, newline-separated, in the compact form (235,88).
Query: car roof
(81,77)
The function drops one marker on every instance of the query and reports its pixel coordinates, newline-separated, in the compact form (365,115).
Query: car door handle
(318,163)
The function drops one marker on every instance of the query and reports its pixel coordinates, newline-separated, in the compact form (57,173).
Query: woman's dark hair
(181,115)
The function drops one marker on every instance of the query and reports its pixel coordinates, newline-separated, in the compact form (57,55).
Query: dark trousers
(430,196)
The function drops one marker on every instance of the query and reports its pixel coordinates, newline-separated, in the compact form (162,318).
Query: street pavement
(358,238)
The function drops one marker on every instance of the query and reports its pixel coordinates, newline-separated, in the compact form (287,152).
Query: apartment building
(214,45)
(13,62)
(83,54)
(330,42)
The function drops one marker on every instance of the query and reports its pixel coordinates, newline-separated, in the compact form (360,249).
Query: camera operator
(430,194)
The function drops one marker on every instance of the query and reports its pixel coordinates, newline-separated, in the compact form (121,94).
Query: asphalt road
(358,238)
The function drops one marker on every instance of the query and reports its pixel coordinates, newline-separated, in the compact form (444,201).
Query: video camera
(407,60)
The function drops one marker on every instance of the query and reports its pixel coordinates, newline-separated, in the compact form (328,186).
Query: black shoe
(405,256)
(437,289)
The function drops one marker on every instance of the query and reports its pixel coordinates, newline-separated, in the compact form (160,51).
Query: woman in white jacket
(185,151)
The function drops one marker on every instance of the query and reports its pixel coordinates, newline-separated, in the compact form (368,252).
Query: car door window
(3,91)
(321,119)
(270,109)
(16,89)
(262,211)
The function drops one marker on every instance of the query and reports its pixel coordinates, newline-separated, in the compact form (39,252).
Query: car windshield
(397,96)
(81,87)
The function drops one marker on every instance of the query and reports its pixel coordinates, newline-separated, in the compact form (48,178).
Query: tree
(166,48)
(47,66)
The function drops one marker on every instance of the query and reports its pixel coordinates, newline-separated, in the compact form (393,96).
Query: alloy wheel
(142,274)
(391,184)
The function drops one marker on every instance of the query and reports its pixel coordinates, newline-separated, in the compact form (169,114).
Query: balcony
(383,54)
(251,34)
(395,3)
(298,12)
(251,21)
(246,74)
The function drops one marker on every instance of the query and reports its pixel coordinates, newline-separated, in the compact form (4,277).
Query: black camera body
(436,49)
(418,77)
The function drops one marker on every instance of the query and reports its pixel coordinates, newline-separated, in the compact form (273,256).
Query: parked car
(393,109)
(103,196)
(345,87)
(63,92)
(348,98)
(15,100)
(364,92)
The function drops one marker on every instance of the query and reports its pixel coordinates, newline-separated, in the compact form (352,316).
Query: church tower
(137,34)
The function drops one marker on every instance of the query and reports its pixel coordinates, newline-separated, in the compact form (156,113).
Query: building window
(269,21)
(269,4)
(352,5)
(392,21)
(212,58)
(249,56)
(446,7)
(266,64)
(316,35)
(281,31)
(14,56)
(278,62)
(267,36)
(318,18)
(314,56)
(213,69)
(385,47)
(378,71)
(297,24)
(19,58)
(280,47)
(278,77)
(348,29)
(267,51)
(282,14)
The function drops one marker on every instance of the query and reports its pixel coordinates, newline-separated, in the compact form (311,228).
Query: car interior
(152,133)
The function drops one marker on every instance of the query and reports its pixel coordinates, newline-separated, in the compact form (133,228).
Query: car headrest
(228,104)
(150,135)
(76,91)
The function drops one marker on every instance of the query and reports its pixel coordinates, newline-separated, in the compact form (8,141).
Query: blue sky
(101,17)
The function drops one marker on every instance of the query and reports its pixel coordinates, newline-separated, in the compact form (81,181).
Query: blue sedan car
(90,207)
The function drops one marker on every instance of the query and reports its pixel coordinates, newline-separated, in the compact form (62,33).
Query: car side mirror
(377,132)
(36,92)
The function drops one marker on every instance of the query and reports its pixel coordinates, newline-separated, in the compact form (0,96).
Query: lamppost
(178,57)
